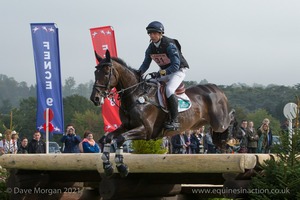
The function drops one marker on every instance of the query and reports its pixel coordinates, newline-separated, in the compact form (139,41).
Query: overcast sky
(224,41)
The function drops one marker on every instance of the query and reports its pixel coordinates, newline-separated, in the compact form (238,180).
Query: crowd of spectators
(245,138)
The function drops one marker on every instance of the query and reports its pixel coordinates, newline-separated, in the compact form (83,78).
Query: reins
(122,92)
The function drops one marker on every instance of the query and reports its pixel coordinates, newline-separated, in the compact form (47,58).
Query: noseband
(98,87)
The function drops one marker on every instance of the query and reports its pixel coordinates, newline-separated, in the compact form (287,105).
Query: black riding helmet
(155,26)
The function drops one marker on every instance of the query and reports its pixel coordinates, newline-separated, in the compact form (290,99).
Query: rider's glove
(154,75)
(162,72)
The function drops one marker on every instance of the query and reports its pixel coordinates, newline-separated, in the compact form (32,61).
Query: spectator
(196,139)
(232,145)
(252,138)
(8,145)
(180,143)
(200,136)
(36,145)
(70,140)
(243,136)
(88,143)
(165,143)
(265,139)
(24,146)
(208,144)
(265,121)
(285,126)
(193,146)
(15,138)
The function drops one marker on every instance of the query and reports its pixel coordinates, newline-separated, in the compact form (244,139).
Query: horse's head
(105,78)
(110,73)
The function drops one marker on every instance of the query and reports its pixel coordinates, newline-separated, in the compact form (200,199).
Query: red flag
(110,112)
(103,38)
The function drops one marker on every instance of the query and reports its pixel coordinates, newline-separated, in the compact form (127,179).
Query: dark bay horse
(145,120)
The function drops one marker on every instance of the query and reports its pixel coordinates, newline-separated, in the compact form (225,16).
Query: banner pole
(47,130)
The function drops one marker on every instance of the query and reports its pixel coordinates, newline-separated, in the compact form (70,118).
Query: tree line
(18,102)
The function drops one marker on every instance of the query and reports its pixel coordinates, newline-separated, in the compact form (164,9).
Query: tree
(83,90)
(240,114)
(25,117)
(89,120)
(259,115)
(6,106)
(189,83)
(76,103)
(69,87)
(281,177)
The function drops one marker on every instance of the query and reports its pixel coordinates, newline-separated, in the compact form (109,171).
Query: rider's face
(155,36)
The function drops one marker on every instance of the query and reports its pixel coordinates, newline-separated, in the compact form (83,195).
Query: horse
(142,116)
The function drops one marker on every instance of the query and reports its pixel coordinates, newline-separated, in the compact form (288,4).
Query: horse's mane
(123,63)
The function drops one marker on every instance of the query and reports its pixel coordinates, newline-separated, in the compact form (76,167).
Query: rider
(166,52)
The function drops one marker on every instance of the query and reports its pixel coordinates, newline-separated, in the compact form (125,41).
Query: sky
(224,41)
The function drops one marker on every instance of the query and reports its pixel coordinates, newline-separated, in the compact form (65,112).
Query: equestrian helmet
(155,26)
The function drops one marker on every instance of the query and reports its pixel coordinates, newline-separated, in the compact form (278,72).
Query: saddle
(162,89)
(184,102)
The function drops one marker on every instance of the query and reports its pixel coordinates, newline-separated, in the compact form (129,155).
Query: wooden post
(137,163)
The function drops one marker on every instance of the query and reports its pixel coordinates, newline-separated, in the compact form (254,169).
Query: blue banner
(48,78)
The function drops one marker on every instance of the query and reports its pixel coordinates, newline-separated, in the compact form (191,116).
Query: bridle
(98,87)
(106,92)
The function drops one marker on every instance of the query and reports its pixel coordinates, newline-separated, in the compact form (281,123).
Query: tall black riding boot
(173,109)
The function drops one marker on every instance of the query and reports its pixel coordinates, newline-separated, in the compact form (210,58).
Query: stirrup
(172,125)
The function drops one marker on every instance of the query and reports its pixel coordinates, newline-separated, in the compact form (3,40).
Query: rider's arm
(174,57)
(146,63)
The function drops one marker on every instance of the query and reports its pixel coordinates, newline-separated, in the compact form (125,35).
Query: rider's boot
(173,109)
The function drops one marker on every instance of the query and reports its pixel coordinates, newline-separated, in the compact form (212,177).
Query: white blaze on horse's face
(102,101)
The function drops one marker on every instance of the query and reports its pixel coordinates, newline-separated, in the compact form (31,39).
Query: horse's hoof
(108,169)
(109,172)
(123,170)
(171,128)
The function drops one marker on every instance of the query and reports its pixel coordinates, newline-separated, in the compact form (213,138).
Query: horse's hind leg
(122,168)
(107,166)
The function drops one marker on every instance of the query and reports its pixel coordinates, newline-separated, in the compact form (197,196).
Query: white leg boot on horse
(122,168)
(107,166)
(173,124)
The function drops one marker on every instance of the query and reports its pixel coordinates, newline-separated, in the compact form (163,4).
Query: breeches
(173,81)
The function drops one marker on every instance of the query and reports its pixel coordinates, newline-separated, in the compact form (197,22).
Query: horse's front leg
(121,166)
(134,134)
(107,165)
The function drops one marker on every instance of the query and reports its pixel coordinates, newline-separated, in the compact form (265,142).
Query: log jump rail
(154,175)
